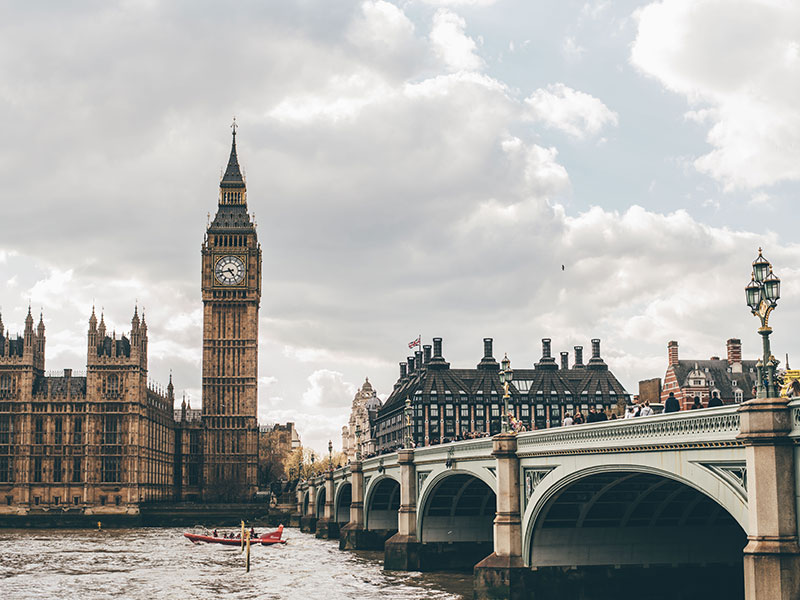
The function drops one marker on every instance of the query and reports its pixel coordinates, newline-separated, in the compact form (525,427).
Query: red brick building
(731,378)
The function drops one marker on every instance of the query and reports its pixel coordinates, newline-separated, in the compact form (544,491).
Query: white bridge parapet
(714,427)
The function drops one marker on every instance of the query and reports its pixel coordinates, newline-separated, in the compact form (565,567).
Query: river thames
(160,563)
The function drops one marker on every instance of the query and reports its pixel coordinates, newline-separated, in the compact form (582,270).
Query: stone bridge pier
(327,527)
(297,513)
(401,552)
(308,522)
(772,556)
(503,573)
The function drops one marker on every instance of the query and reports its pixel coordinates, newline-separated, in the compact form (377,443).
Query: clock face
(229,270)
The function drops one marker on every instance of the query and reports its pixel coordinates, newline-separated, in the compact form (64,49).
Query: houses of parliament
(104,442)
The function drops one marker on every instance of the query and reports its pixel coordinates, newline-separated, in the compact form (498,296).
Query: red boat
(265,540)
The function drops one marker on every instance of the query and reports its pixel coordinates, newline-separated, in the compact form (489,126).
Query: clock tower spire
(231,289)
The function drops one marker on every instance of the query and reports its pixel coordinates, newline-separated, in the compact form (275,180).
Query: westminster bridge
(711,494)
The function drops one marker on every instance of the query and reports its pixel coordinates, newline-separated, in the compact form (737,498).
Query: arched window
(738,395)
(5,383)
(112,384)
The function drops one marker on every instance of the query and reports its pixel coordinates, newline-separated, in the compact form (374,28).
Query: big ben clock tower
(231,285)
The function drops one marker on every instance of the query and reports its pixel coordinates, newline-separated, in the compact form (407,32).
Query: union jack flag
(415,342)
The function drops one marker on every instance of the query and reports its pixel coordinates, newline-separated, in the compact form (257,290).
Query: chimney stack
(672,353)
(403,370)
(578,357)
(488,362)
(564,361)
(595,348)
(418,359)
(437,347)
(427,353)
(735,355)
(410,360)
(545,348)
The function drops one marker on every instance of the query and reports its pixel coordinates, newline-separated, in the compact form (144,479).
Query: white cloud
(738,62)
(329,390)
(594,10)
(571,49)
(342,99)
(574,112)
(761,200)
(454,47)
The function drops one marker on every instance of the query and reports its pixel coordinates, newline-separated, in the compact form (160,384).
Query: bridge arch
(319,509)
(341,506)
(629,515)
(456,505)
(306,495)
(381,503)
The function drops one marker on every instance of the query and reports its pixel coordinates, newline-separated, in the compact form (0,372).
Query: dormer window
(734,383)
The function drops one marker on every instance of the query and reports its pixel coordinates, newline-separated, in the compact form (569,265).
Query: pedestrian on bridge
(672,404)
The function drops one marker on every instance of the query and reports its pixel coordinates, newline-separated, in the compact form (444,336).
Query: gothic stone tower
(231,286)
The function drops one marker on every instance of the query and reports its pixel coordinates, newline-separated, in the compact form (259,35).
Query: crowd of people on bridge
(593,415)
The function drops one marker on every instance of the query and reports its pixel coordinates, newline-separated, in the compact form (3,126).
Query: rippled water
(161,563)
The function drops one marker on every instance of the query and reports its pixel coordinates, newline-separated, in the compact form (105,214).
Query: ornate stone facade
(96,443)
(363,415)
(231,288)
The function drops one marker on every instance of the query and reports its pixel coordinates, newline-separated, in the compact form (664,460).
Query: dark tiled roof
(546,377)
(233,175)
(718,372)
(231,216)
(107,346)
(57,386)
(12,347)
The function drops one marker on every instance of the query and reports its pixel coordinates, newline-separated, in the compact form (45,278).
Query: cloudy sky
(416,166)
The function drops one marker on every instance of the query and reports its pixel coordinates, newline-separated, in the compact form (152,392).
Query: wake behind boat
(265,539)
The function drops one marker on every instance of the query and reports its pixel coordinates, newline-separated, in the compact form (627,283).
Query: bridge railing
(387,460)
(478,448)
(713,426)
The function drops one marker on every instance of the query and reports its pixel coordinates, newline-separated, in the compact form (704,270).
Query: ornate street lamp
(408,433)
(506,377)
(762,295)
(330,455)
(358,442)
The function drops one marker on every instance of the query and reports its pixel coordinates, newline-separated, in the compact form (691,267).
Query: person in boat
(215,533)
(252,533)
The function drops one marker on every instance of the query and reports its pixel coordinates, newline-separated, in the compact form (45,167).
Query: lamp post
(330,455)
(407,437)
(506,377)
(358,442)
(762,295)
